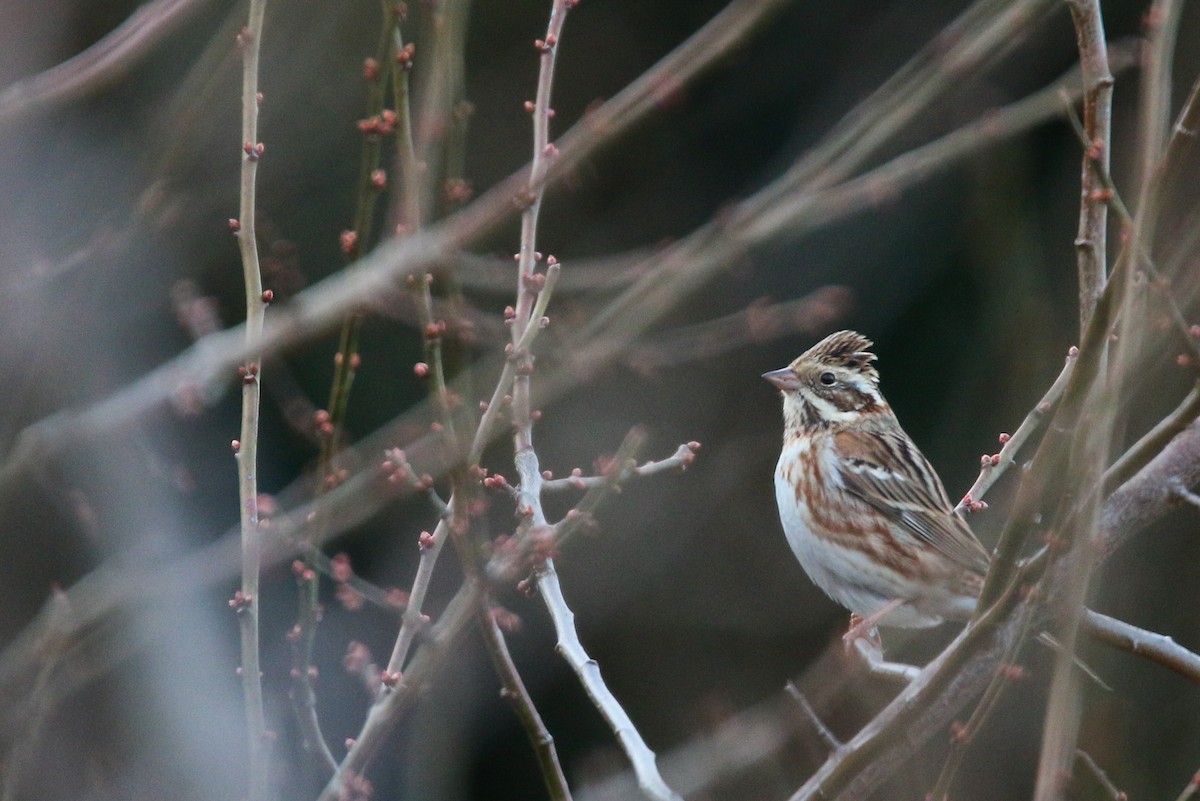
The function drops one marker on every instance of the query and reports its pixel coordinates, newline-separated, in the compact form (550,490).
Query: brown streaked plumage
(862,508)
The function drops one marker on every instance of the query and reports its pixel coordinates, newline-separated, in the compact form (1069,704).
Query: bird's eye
(828,379)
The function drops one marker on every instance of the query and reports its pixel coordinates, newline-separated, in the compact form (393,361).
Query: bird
(864,511)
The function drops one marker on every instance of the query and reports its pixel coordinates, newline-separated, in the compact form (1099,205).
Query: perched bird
(862,508)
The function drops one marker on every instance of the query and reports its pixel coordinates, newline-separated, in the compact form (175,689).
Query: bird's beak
(786,379)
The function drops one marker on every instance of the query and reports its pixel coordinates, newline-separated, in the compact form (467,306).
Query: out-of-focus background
(115,256)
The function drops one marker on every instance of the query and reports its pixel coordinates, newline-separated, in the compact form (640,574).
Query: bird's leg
(872,656)
(861,626)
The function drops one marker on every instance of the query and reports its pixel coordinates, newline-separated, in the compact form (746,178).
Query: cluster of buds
(302,572)
(989,460)
(323,423)
(397,470)
(253,150)
(496,481)
(241,601)
(335,478)
(547,44)
(972,505)
(404,56)
(341,571)
(381,124)
(311,673)
(248,373)
(355,360)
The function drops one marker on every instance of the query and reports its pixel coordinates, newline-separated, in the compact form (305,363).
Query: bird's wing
(886,470)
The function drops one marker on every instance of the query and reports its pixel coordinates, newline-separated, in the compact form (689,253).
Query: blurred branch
(1155,647)
(1154,115)
(1152,442)
(761,321)
(1070,572)
(826,736)
(962,734)
(102,64)
(1071,527)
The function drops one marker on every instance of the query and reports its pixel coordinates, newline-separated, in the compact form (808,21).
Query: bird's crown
(848,349)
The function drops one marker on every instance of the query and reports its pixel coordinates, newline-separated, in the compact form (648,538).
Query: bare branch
(1151,492)
(1157,648)
(516,694)
(995,466)
(1091,241)
(588,672)
(684,455)
(1100,776)
(247,601)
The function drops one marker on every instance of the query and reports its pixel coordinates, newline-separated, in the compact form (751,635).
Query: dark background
(688,596)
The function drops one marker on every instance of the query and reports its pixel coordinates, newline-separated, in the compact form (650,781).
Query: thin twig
(397,700)
(588,671)
(1157,648)
(683,456)
(993,467)
(1114,793)
(516,694)
(826,736)
(1091,241)
(1191,790)
(247,601)
(961,735)
(1152,442)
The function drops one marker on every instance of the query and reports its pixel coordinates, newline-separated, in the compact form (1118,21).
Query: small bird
(862,508)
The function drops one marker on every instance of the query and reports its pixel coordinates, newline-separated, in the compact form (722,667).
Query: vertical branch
(527,256)
(532,295)
(246,601)
(1089,452)
(1162,28)
(522,704)
(439,87)
(1091,241)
